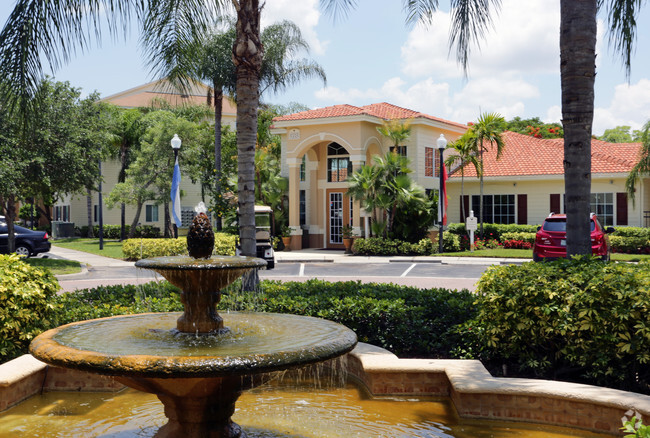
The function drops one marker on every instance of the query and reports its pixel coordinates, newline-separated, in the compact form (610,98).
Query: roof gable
(524,155)
(382,111)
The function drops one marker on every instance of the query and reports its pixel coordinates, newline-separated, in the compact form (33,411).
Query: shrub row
(136,249)
(27,295)
(386,247)
(114,231)
(494,231)
(577,319)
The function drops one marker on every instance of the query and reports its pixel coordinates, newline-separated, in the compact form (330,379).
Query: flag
(176,195)
(442,199)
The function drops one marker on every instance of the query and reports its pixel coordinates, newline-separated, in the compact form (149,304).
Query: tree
(621,134)
(486,134)
(534,127)
(463,154)
(397,131)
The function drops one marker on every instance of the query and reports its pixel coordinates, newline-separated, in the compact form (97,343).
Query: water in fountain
(197,363)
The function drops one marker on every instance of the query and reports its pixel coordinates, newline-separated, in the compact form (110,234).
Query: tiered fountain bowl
(197,363)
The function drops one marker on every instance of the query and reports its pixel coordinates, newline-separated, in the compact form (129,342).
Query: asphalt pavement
(329,265)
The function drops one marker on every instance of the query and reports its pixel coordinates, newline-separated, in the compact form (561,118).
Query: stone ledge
(477,394)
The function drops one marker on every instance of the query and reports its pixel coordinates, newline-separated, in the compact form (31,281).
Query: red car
(550,241)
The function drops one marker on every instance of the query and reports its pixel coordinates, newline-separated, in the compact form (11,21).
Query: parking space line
(301,273)
(405,273)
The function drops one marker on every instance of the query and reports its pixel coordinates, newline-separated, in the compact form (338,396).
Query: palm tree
(396,130)
(642,167)
(463,154)
(364,186)
(486,133)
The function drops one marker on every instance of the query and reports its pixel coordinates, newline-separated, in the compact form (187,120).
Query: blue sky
(372,56)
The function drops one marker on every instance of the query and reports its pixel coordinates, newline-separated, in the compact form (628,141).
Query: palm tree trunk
(121,178)
(247,57)
(136,218)
(577,72)
(218,108)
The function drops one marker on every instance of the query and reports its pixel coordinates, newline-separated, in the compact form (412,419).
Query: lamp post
(100,213)
(175,194)
(442,144)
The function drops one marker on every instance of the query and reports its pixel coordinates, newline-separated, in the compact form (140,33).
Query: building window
(303,207)
(429,154)
(603,205)
(338,167)
(400,150)
(151,213)
(303,165)
(62,213)
(497,209)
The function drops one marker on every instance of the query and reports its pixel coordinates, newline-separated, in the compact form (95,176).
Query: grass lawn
(112,248)
(498,252)
(56,266)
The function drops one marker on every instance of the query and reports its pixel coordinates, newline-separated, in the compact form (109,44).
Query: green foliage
(630,245)
(408,321)
(577,319)
(28,301)
(494,231)
(523,236)
(136,249)
(635,428)
(113,231)
(105,301)
(620,134)
(535,127)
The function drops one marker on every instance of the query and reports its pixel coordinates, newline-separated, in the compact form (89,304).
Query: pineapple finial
(200,237)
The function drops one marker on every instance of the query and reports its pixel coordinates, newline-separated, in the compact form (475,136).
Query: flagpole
(442,143)
(176,181)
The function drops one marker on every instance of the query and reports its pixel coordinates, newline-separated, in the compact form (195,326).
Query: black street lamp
(176,145)
(442,144)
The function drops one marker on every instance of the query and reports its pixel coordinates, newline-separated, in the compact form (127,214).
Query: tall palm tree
(364,185)
(486,134)
(462,153)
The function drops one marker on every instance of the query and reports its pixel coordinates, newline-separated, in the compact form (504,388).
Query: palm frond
(420,10)
(470,19)
(338,8)
(622,19)
(642,167)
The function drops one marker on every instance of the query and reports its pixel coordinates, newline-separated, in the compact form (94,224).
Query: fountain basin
(147,345)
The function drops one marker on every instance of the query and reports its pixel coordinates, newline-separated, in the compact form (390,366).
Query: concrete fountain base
(474,392)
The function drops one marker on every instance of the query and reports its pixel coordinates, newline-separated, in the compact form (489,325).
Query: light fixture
(442,141)
(176,142)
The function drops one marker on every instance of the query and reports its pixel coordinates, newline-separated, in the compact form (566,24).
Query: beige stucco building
(73,208)
(321,147)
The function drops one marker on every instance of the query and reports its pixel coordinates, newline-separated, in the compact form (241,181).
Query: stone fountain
(196,363)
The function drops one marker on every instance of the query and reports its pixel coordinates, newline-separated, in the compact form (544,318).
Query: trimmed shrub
(376,246)
(136,249)
(408,321)
(224,244)
(630,244)
(114,231)
(105,301)
(632,232)
(577,319)
(27,295)
(494,231)
(525,237)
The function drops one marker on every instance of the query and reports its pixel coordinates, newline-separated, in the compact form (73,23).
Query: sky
(372,55)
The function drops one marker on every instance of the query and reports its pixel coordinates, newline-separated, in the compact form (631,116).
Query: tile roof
(383,110)
(524,155)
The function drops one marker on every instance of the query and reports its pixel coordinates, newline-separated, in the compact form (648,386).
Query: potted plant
(285,233)
(348,238)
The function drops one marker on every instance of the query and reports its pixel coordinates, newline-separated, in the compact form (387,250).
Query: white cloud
(630,106)
(304,13)
(525,38)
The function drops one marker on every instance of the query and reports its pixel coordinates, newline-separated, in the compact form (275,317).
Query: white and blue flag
(176,195)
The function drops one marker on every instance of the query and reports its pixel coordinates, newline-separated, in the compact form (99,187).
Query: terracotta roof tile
(383,110)
(525,155)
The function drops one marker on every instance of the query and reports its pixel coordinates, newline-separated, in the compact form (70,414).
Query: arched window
(339,165)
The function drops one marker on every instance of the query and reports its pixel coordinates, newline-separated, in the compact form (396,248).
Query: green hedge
(136,249)
(379,246)
(494,231)
(630,244)
(632,232)
(525,237)
(114,231)
(577,319)
(28,302)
